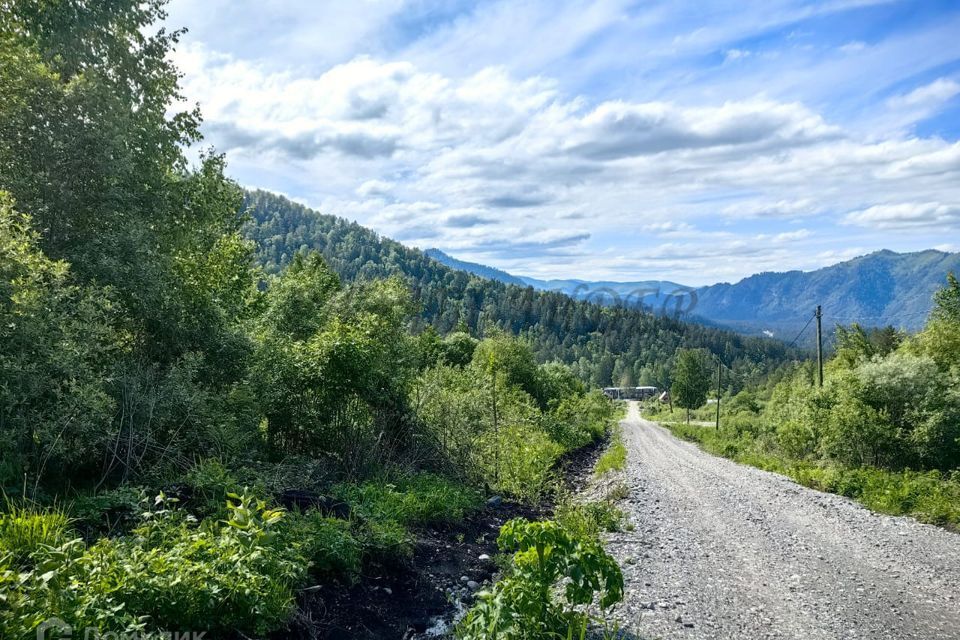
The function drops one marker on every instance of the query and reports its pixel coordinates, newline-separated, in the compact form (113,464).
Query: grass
(588,519)
(929,496)
(387,511)
(418,500)
(615,457)
(25,528)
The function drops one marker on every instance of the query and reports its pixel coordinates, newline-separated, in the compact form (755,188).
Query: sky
(697,142)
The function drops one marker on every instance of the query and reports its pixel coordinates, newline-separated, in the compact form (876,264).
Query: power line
(794,341)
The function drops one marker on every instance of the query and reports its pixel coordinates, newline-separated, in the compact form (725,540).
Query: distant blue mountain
(649,293)
(483,271)
(878,289)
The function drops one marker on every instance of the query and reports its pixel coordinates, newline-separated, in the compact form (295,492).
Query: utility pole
(496,428)
(719,371)
(819,315)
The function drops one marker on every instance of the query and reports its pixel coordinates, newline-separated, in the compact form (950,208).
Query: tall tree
(691,379)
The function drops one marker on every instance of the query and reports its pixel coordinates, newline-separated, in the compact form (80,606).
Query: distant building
(630,393)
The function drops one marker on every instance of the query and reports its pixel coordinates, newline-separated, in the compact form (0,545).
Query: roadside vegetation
(554,574)
(187,441)
(884,429)
(615,457)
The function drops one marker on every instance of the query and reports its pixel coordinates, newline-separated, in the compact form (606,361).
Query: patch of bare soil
(422,599)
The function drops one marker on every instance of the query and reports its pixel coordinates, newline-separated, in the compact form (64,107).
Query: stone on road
(722,550)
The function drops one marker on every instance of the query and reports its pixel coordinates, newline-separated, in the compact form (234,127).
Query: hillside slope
(878,289)
(604,345)
(649,293)
(874,290)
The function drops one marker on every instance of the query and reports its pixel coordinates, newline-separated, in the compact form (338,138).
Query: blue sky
(691,141)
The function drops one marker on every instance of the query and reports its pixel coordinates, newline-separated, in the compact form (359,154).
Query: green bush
(329,544)
(211,482)
(519,460)
(552,575)
(588,519)
(108,510)
(420,499)
(386,542)
(25,529)
(577,420)
(170,575)
(387,509)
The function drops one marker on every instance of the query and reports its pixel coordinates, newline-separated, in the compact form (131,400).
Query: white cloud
(774,209)
(457,141)
(791,236)
(927,96)
(908,215)
(374,188)
(854,46)
(732,55)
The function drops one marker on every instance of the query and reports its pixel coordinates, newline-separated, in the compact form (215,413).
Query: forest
(604,346)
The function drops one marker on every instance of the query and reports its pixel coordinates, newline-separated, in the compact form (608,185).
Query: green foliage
(26,529)
(386,543)
(519,457)
(588,519)
(330,363)
(947,301)
(691,379)
(577,419)
(170,575)
(485,423)
(210,483)
(57,340)
(505,356)
(330,545)
(458,349)
(614,458)
(386,511)
(107,511)
(421,499)
(552,572)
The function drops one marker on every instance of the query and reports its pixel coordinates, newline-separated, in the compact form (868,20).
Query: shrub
(421,499)
(552,572)
(170,575)
(577,420)
(329,544)
(588,519)
(110,511)
(386,542)
(519,462)
(211,483)
(25,529)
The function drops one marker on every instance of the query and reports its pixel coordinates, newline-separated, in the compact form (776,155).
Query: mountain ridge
(876,289)
(602,344)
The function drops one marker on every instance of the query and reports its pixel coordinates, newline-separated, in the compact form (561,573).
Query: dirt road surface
(721,550)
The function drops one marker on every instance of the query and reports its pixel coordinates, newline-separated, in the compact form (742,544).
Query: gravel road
(721,550)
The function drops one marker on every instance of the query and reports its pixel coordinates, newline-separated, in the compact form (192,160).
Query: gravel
(721,550)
